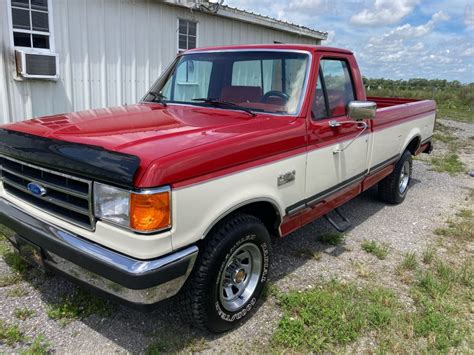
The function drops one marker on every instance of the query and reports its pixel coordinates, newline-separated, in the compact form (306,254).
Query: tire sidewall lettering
(240,314)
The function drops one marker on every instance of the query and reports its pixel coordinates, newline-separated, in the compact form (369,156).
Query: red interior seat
(241,93)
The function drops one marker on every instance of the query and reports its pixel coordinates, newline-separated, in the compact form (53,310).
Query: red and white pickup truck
(184,191)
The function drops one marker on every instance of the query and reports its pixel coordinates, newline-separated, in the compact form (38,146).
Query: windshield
(261,81)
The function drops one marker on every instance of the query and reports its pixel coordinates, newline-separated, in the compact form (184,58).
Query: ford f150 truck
(183,191)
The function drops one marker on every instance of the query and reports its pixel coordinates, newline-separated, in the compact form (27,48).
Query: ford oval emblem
(36,189)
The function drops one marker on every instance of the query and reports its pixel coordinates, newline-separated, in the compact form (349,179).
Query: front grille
(66,197)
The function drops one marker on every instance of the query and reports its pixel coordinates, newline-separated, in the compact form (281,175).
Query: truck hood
(174,143)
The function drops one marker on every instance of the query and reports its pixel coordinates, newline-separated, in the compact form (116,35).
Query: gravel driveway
(300,261)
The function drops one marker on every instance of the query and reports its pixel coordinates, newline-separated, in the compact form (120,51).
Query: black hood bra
(82,160)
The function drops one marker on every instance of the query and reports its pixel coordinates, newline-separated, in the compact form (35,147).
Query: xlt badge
(286,178)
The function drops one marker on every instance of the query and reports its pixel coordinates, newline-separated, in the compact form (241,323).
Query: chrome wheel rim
(404,177)
(240,277)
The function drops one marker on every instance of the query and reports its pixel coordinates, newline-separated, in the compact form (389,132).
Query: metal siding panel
(110,51)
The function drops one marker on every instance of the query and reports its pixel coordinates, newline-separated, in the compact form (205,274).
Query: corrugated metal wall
(110,52)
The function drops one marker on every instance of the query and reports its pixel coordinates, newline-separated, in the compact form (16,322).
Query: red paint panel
(403,110)
(374,178)
(310,214)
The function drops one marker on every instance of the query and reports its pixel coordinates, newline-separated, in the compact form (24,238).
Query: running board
(340,227)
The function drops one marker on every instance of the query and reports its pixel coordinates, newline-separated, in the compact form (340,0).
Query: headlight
(143,211)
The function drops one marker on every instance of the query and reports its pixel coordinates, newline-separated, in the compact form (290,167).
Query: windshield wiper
(158,97)
(223,104)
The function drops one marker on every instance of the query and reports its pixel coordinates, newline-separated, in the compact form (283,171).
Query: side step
(341,226)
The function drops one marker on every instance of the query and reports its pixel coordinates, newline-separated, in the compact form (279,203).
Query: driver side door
(338,147)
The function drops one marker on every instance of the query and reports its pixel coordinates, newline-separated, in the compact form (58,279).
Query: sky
(392,39)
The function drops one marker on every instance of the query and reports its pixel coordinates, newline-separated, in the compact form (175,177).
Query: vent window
(31,22)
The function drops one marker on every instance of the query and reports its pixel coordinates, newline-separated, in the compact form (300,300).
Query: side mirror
(361,110)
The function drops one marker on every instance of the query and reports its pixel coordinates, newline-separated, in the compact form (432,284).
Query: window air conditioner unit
(36,65)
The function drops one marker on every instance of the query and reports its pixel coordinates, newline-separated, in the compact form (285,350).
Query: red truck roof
(300,47)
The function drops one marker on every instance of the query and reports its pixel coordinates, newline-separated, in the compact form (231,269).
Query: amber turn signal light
(150,212)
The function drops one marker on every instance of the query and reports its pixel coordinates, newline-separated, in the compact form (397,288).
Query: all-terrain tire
(200,300)
(393,188)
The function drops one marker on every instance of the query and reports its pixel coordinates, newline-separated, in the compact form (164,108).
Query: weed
(39,346)
(428,255)
(15,261)
(270,290)
(409,262)
(24,313)
(9,279)
(448,163)
(334,314)
(308,254)
(17,292)
(461,228)
(380,251)
(362,270)
(331,238)
(10,334)
(79,304)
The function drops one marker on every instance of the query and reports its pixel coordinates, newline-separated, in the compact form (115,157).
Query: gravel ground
(299,262)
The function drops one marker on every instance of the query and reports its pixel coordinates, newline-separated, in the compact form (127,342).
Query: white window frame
(177,33)
(32,50)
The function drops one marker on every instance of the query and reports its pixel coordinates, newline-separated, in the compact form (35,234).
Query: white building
(69,55)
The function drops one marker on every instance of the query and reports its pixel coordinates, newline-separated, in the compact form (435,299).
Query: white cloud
(384,12)
(407,30)
(386,46)
(469,16)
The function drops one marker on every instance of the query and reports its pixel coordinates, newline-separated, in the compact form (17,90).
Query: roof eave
(244,16)
(256,19)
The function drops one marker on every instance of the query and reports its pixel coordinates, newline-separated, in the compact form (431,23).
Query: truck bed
(390,101)
(391,111)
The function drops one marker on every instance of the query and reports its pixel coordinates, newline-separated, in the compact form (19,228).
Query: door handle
(360,124)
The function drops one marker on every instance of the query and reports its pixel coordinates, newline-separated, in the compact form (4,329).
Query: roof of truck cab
(300,47)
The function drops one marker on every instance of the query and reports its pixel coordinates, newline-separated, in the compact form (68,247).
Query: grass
(462,227)
(334,314)
(331,238)
(39,346)
(11,258)
(448,163)
(428,255)
(10,334)
(372,247)
(454,101)
(409,262)
(463,115)
(24,313)
(79,304)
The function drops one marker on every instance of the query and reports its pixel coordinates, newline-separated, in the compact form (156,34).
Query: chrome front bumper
(141,282)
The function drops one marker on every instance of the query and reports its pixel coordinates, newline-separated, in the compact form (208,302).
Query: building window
(31,24)
(187,35)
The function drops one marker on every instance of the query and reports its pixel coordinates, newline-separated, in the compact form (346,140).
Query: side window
(319,108)
(338,84)
(192,81)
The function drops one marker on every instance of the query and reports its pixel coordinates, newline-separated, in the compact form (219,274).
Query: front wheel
(393,189)
(229,275)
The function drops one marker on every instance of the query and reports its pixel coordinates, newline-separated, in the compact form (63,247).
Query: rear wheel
(393,189)
(229,275)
